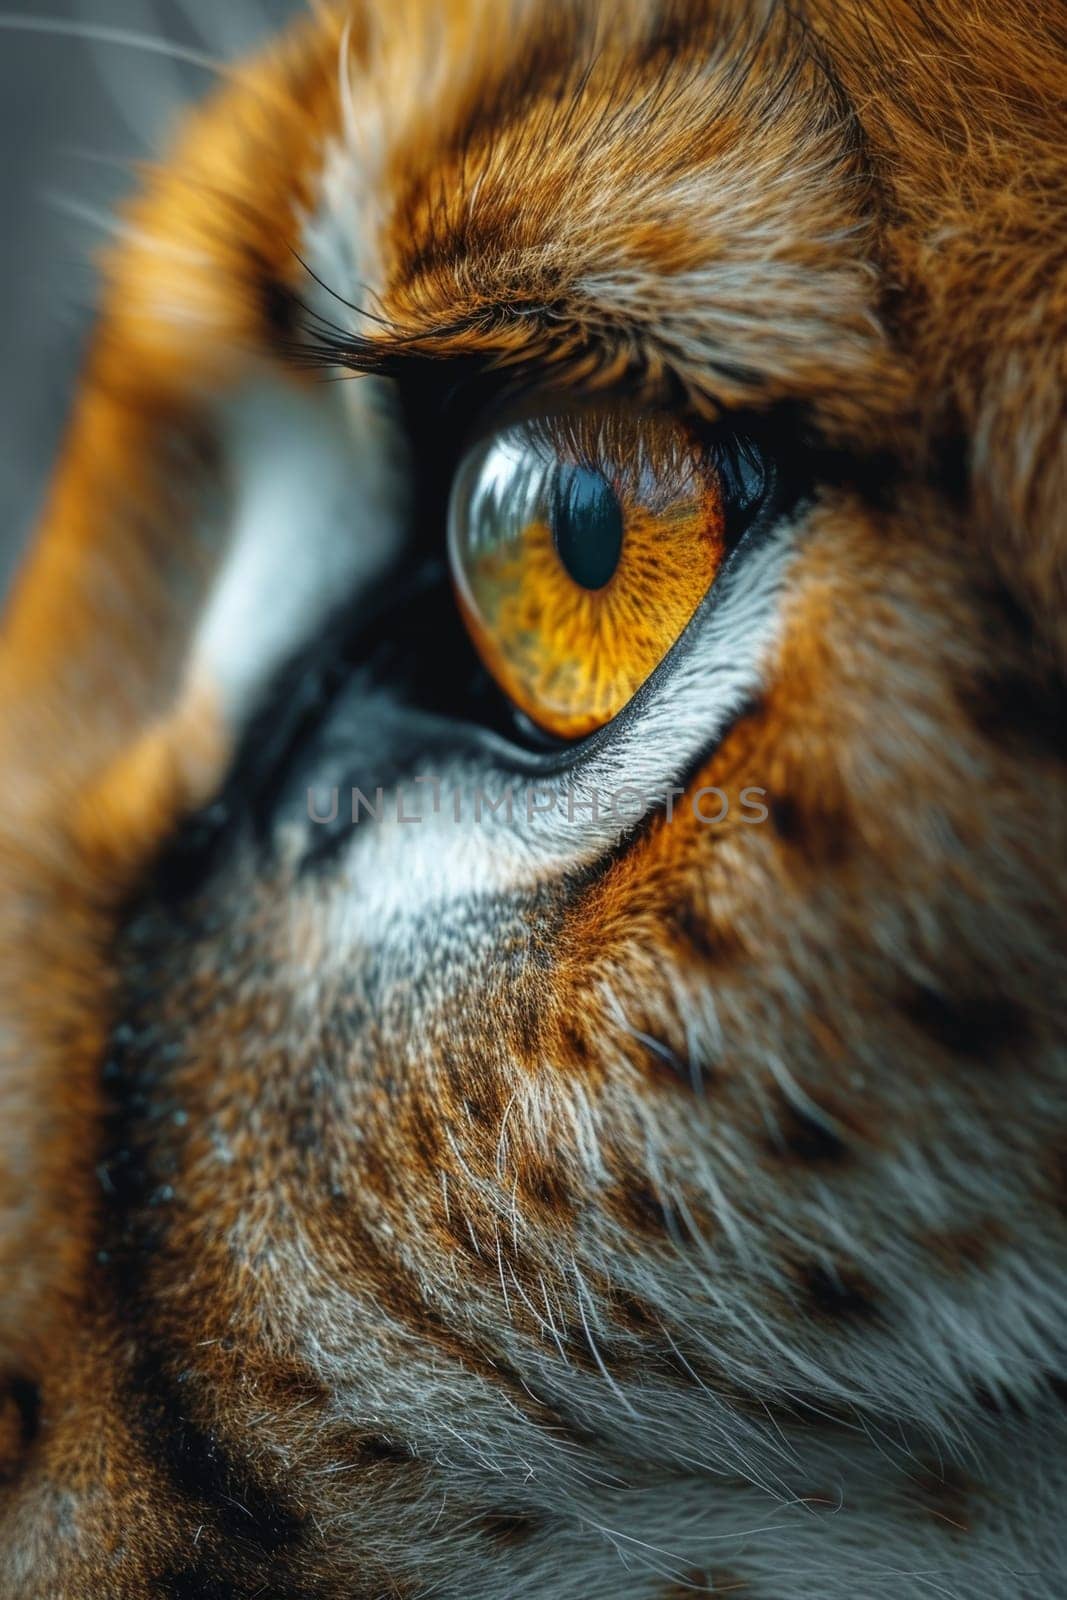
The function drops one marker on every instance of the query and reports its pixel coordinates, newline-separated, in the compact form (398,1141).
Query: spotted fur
(555,1207)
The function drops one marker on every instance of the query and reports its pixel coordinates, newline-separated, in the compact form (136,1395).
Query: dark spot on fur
(662,1064)
(638,1206)
(526,1024)
(197,1580)
(804,1137)
(543,1188)
(996,1404)
(464,1236)
(697,934)
(374,1449)
(1022,705)
(840,1293)
(1015,710)
(304,1131)
(478,1112)
(376,1174)
(574,1046)
(635,1314)
(959,1250)
(251,1516)
(1057,1383)
(26,1397)
(20,1416)
(978,1026)
(202,1579)
(424,1137)
(818,834)
(509,1528)
(944,1493)
(1055,1165)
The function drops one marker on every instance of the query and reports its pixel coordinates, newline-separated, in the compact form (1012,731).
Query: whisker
(145,101)
(100,33)
(128,166)
(80,211)
(233,28)
(117,227)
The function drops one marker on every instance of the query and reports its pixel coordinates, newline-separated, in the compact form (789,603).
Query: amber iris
(581,544)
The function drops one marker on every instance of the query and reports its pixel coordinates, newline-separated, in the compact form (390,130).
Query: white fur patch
(427,845)
(317,511)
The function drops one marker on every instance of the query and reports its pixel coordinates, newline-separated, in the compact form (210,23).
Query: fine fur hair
(558,1207)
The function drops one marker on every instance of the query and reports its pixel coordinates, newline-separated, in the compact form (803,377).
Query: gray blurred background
(75,116)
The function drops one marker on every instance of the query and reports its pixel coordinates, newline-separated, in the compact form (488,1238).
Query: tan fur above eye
(544,1201)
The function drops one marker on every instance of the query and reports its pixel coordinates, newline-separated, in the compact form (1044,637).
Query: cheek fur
(498,1213)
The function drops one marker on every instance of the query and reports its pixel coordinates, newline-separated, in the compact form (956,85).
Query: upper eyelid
(559,351)
(472,380)
(486,390)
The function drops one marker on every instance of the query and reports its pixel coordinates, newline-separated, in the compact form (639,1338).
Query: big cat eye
(581,544)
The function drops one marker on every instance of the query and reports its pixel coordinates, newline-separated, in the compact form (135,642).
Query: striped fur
(551,1206)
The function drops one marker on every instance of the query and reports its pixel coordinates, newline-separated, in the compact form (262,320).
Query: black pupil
(586,525)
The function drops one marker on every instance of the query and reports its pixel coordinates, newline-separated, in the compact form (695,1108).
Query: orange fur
(437,1265)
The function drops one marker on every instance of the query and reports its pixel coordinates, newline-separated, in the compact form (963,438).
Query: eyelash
(595,363)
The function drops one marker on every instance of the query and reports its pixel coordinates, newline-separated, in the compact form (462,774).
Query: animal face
(533,939)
